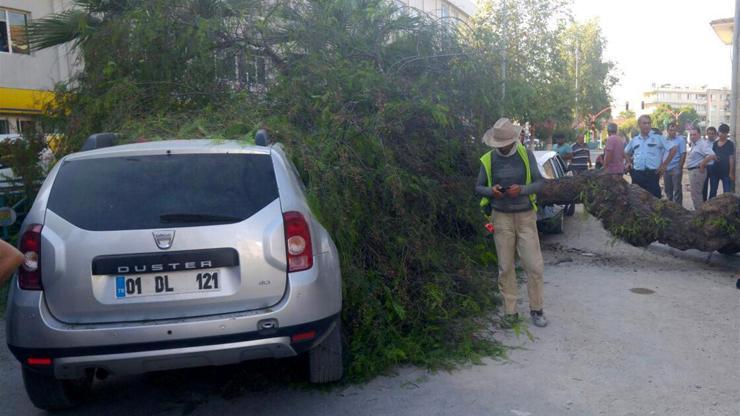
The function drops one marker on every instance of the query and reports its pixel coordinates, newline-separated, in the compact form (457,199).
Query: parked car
(167,255)
(6,173)
(552,166)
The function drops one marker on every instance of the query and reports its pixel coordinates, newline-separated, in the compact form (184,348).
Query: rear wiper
(188,217)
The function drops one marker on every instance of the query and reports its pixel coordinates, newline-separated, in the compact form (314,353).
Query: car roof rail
(99,141)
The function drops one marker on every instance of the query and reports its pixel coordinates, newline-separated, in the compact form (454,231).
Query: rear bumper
(70,363)
(157,360)
(311,303)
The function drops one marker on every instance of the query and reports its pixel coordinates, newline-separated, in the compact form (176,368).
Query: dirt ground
(632,332)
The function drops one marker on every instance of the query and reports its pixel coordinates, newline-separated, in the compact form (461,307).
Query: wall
(41,69)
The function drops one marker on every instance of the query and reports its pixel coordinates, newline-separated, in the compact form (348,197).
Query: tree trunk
(633,215)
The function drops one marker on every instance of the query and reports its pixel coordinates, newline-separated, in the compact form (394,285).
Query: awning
(20,101)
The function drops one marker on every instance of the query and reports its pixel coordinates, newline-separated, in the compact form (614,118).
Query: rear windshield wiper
(189,217)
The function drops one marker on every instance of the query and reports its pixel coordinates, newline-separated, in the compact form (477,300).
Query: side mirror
(261,138)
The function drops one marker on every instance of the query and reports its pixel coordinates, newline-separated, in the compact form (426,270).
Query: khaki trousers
(697,178)
(517,233)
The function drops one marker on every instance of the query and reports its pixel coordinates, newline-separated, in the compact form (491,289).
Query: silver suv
(166,255)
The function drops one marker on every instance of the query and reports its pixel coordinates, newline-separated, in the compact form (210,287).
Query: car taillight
(29,274)
(38,361)
(298,242)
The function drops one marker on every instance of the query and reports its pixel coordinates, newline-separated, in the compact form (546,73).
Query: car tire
(557,226)
(730,249)
(49,393)
(325,363)
(570,210)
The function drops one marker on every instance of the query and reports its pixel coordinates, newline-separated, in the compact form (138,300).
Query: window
(4,45)
(445,12)
(4,127)
(549,171)
(26,127)
(14,32)
(144,192)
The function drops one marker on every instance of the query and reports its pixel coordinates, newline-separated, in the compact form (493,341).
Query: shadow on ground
(184,391)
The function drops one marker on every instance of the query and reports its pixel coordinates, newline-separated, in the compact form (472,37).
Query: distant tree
(664,114)
(521,40)
(688,117)
(627,114)
(582,51)
(627,124)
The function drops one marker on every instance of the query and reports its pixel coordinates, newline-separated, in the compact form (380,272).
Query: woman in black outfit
(723,170)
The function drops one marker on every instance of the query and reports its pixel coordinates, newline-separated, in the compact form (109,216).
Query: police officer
(647,158)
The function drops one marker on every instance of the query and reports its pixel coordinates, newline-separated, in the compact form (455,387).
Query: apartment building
(444,9)
(718,106)
(711,104)
(27,77)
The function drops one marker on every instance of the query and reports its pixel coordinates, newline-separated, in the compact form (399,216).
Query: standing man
(674,171)
(581,160)
(614,151)
(508,181)
(564,149)
(711,137)
(646,159)
(700,156)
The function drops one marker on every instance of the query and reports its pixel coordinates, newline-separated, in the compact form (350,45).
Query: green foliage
(582,49)
(524,38)
(22,156)
(627,124)
(687,117)
(665,114)
(377,109)
(722,224)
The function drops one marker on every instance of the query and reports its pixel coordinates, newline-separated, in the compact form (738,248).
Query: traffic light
(642,105)
(627,106)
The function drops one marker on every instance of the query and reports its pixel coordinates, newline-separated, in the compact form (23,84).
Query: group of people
(651,155)
(709,161)
(509,180)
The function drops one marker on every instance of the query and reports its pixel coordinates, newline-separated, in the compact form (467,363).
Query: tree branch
(633,215)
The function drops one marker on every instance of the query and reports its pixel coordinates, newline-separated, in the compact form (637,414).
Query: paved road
(608,351)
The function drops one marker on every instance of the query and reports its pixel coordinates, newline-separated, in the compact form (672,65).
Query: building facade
(718,107)
(28,77)
(711,104)
(443,9)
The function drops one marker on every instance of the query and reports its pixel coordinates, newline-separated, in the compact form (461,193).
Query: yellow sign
(19,101)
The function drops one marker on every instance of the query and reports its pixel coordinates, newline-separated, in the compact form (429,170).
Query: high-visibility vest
(485,202)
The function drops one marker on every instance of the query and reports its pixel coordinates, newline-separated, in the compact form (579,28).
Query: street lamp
(725,29)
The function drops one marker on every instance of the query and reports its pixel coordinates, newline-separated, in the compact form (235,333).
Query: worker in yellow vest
(508,182)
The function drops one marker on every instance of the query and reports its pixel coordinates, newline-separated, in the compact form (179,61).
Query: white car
(551,166)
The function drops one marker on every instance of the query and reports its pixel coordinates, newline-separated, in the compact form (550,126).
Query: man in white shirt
(700,156)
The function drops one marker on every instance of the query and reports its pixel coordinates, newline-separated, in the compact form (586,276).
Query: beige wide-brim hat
(502,134)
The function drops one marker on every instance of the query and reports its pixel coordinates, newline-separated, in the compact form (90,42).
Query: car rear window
(162,191)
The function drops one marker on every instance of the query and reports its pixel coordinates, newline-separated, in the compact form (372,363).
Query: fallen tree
(635,216)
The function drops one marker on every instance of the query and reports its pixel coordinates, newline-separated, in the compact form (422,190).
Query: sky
(661,41)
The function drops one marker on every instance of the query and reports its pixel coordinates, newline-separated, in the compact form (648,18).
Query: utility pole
(503,52)
(577,61)
(736,90)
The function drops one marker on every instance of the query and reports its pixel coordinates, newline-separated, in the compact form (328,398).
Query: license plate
(167,284)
